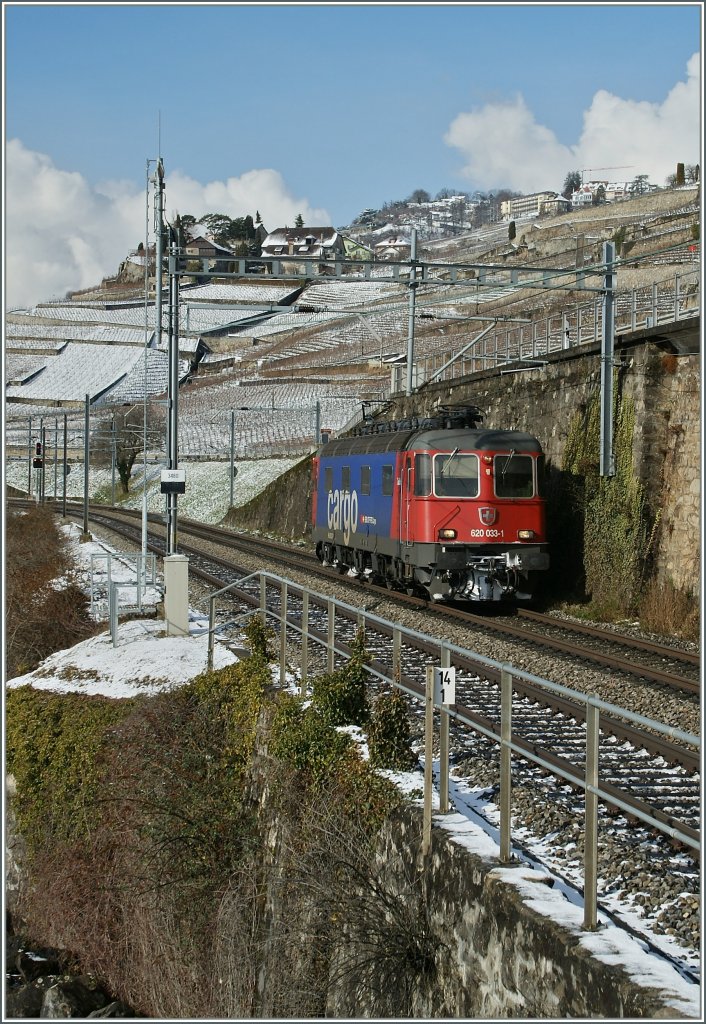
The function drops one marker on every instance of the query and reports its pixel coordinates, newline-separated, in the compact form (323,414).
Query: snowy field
(207,496)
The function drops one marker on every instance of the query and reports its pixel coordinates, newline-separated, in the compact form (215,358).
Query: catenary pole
(607,461)
(412,301)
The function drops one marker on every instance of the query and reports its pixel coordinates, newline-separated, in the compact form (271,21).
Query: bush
(341,697)
(41,615)
(303,738)
(388,733)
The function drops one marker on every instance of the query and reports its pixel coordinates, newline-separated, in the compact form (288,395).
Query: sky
(92,667)
(320,109)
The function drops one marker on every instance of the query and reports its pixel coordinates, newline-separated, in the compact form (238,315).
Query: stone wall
(506,944)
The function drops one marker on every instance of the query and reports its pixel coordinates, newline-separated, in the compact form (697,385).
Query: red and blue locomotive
(438,506)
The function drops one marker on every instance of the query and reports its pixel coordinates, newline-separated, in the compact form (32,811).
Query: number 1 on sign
(444,685)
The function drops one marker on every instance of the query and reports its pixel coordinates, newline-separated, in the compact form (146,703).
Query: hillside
(266,363)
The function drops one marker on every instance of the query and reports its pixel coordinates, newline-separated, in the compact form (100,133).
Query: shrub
(41,615)
(666,609)
(341,697)
(303,738)
(388,733)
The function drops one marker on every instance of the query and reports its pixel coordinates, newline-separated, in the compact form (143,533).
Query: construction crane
(620,167)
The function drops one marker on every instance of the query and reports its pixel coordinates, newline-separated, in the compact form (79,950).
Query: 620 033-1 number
(492,534)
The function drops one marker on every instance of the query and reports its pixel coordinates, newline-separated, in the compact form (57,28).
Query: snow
(94,667)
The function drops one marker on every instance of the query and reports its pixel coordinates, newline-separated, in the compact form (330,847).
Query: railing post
(331,606)
(113,612)
(263,600)
(505,765)
(211,631)
(396,653)
(428,760)
(305,641)
(590,855)
(445,662)
(283,633)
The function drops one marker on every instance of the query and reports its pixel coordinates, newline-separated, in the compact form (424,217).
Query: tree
(219,226)
(691,173)
(572,182)
(511,231)
(639,185)
(599,196)
(299,222)
(419,196)
(680,174)
(122,438)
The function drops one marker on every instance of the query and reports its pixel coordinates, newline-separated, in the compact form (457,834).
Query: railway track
(671,666)
(657,776)
(477,684)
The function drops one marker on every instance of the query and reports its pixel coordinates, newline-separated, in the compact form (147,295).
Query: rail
(510,743)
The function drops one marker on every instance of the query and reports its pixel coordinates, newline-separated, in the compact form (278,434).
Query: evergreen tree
(299,222)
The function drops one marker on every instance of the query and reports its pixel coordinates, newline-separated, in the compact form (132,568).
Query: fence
(299,624)
(660,303)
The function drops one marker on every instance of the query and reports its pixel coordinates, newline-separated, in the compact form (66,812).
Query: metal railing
(594,792)
(144,567)
(659,303)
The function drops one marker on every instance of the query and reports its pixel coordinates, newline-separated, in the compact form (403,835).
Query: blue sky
(345,106)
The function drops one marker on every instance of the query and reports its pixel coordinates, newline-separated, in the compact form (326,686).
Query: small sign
(235,472)
(444,685)
(173,481)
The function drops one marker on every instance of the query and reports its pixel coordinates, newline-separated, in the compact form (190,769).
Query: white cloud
(504,146)
(62,233)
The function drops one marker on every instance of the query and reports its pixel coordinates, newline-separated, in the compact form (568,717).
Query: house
(201,248)
(394,248)
(356,250)
(583,196)
(309,243)
(554,206)
(526,206)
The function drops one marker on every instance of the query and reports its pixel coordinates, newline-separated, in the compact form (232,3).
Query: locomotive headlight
(526,534)
(447,534)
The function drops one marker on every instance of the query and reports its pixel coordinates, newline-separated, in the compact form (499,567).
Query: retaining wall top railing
(275,603)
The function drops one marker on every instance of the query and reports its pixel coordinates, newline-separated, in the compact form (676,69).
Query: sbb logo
(342,512)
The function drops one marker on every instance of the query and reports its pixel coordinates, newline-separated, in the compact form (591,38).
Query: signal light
(526,534)
(38,461)
(447,534)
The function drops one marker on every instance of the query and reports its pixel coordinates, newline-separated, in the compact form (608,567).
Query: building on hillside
(219,258)
(555,206)
(532,205)
(309,243)
(584,196)
(395,248)
(356,250)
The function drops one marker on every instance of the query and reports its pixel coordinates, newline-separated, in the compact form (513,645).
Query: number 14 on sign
(444,686)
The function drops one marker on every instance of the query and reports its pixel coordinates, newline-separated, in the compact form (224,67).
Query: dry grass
(666,610)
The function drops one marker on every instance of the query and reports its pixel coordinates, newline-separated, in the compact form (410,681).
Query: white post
(176,595)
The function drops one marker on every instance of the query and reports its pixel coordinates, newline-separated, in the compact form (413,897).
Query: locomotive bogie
(454,514)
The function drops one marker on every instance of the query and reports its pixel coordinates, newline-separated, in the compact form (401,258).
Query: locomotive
(436,506)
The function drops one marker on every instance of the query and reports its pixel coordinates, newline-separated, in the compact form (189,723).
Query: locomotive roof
(445,440)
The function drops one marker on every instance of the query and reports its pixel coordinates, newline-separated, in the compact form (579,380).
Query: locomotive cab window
(456,475)
(513,476)
(328,479)
(345,478)
(365,479)
(387,479)
(422,475)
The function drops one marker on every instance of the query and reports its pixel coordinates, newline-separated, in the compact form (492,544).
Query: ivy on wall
(615,515)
